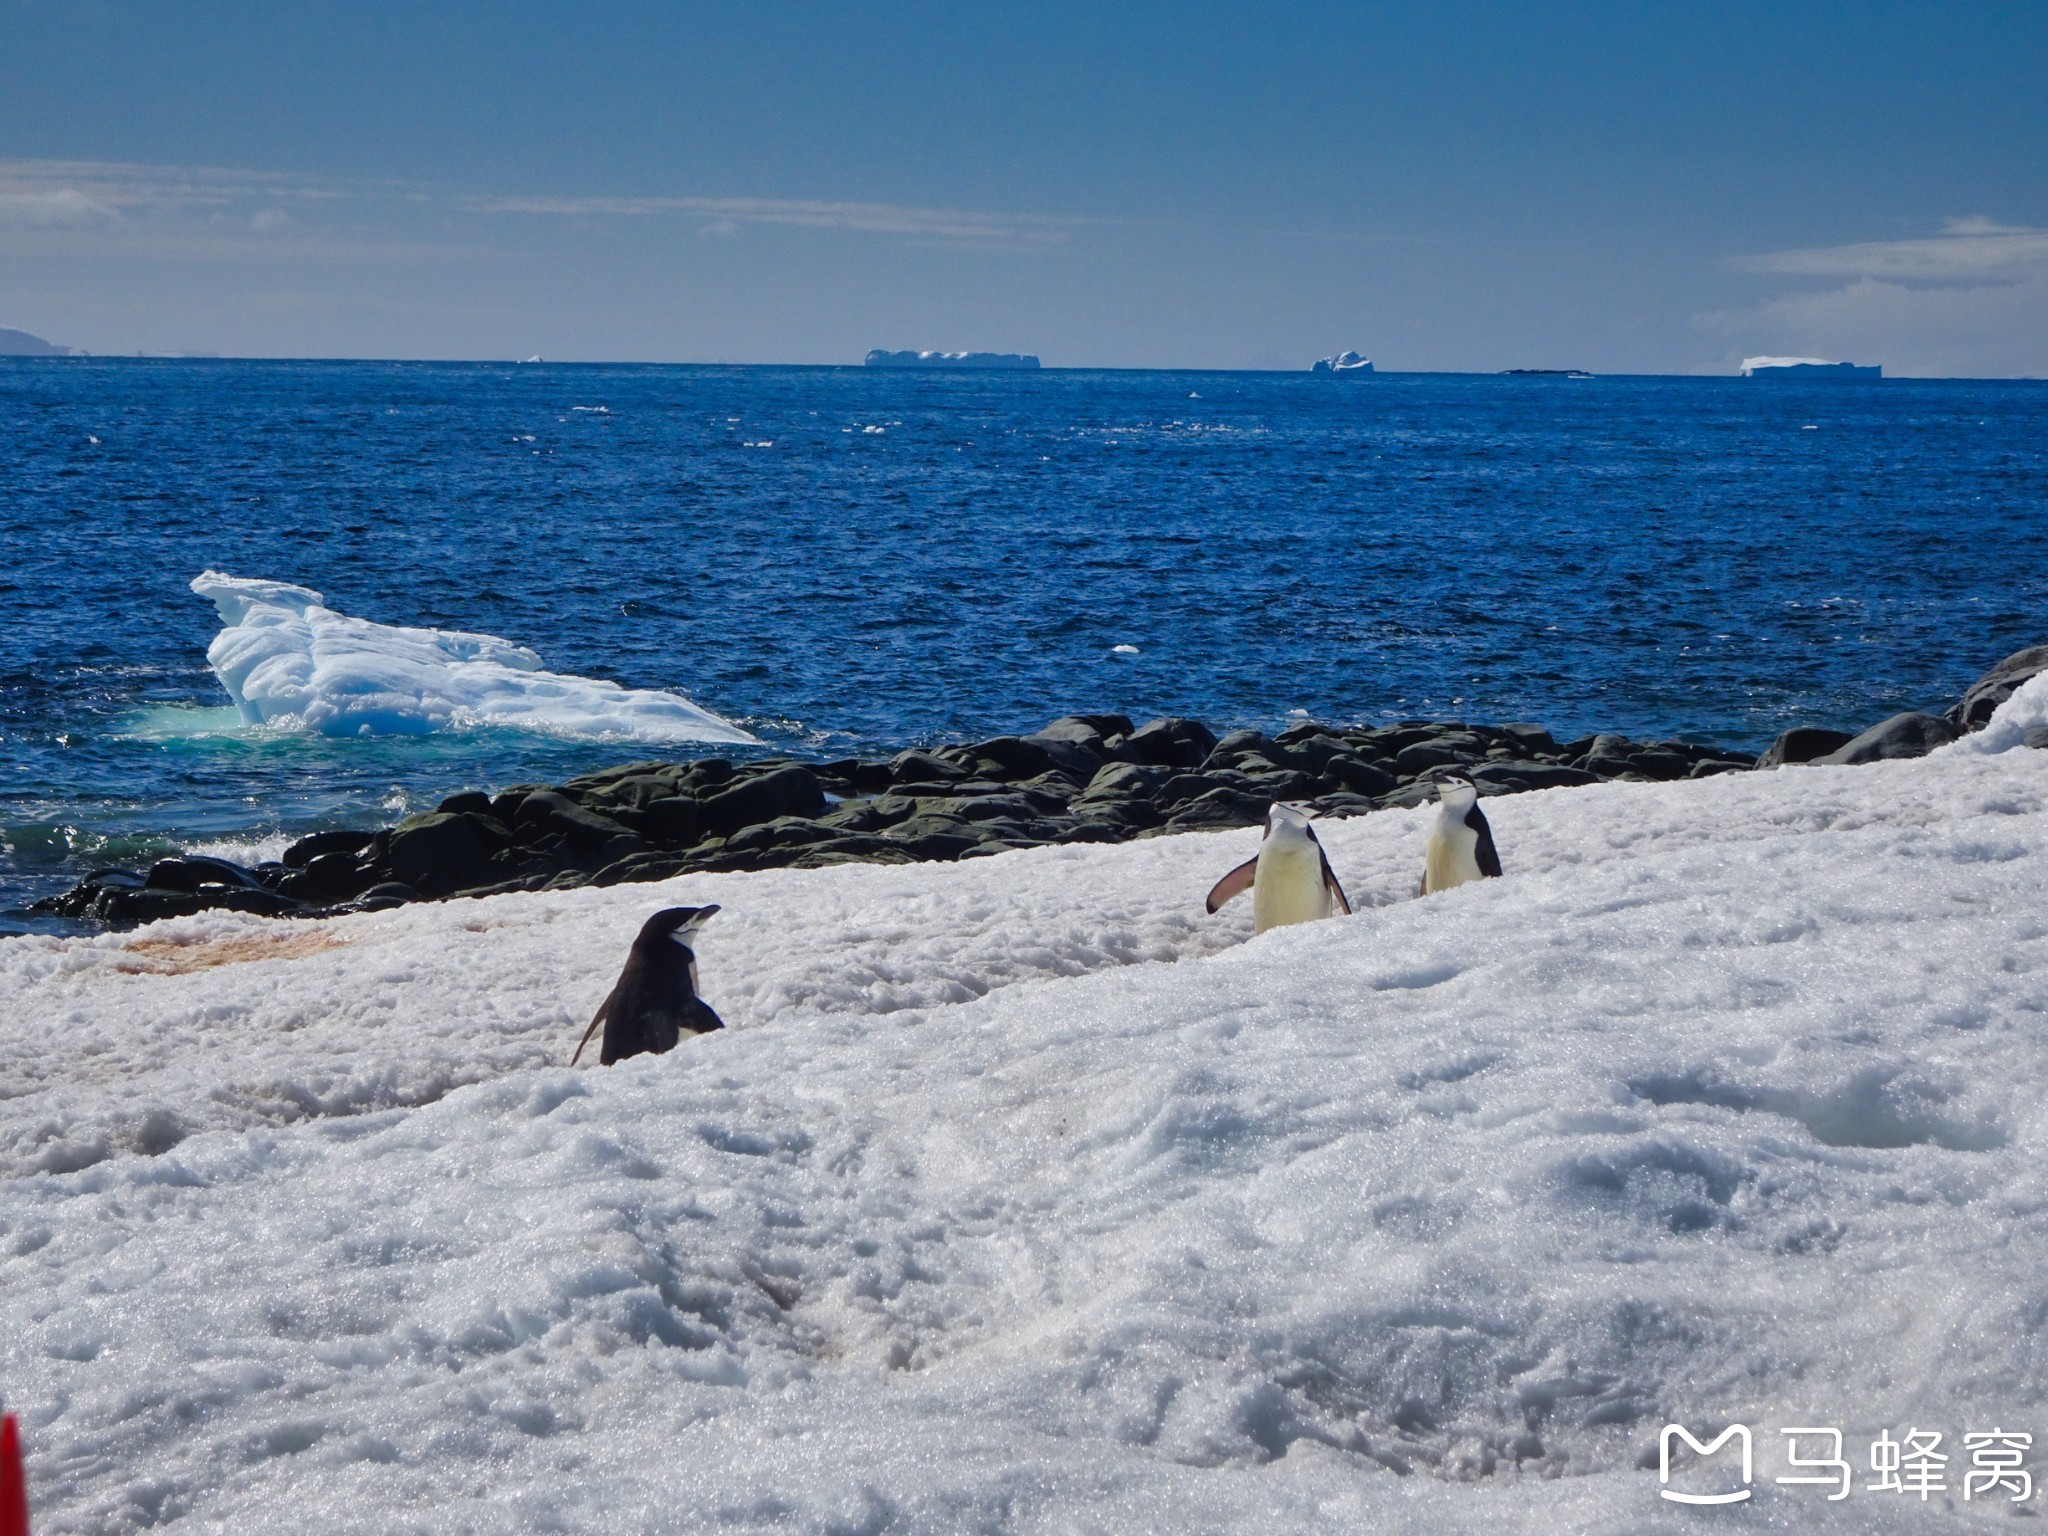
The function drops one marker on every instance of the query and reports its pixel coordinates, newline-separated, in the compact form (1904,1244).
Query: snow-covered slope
(1023,1196)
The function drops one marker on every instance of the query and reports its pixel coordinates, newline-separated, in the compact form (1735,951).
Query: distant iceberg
(881,357)
(1343,362)
(288,659)
(1807,368)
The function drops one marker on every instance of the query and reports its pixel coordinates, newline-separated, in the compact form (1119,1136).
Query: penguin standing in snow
(1291,880)
(1460,842)
(655,1001)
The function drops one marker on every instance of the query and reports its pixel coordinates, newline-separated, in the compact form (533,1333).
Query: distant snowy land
(1021,1195)
(22,344)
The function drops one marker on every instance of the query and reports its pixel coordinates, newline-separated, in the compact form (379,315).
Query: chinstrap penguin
(655,1001)
(1460,841)
(1290,880)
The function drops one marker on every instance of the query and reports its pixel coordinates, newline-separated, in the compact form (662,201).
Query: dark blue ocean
(848,560)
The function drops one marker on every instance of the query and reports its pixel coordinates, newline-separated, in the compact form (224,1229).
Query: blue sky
(1621,187)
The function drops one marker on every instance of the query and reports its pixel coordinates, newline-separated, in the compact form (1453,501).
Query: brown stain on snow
(172,957)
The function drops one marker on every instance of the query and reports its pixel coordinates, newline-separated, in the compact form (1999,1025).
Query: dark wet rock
(1125,817)
(1124,781)
(1091,731)
(860,778)
(1219,808)
(608,778)
(1174,742)
(701,777)
(1802,744)
(933,837)
(307,849)
(634,793)
(1057,785)
(190,872)
(1187,786)
(1417,792)
(1013,757)
(336,877)
(1358,777)
(851,850)
(924,768)
(468,801)
(505,803)
(550,822)
(437,853)
(1441,752)
(1280,784)
(672,821)
(1905,735)
(874,815)
(1310,752)
(1531,740)
(389,893)
(1513,775)
(782,832)
(1662,766)
(1996,686)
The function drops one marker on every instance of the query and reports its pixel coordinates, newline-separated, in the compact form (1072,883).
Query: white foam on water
(287,659)
(246,851)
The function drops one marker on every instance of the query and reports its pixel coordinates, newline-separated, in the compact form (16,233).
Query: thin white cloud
(1971,250)
(80,193)
(867,218)
(58,208)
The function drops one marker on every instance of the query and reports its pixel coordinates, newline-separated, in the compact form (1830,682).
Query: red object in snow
(13,1486)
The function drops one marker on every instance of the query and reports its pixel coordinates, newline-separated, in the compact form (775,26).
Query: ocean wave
(289,660)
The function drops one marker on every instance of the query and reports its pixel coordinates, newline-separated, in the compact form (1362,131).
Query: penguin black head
(678,924)
(1281,813)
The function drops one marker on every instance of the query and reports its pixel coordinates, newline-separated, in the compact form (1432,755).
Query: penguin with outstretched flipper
(1290,879)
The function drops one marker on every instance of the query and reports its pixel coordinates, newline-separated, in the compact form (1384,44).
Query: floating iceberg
(1343,362)
(881,357)
(288,659)
(1807,368)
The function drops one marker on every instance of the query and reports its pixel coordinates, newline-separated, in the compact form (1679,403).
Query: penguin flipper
(702,1020)
(1236,883)
(1330,880)
(596,1019)
(1486,855)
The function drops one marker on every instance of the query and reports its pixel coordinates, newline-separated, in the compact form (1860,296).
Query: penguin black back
(1483,853)
(654,1003)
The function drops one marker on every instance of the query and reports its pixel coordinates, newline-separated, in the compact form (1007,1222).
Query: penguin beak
(686,932)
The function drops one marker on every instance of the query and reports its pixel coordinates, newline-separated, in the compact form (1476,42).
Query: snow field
(1023,1196)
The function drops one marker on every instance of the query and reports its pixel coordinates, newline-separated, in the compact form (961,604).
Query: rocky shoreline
(1084,778)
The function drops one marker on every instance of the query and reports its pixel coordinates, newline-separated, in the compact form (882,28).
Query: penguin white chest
(1453,854)
(1289,887)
